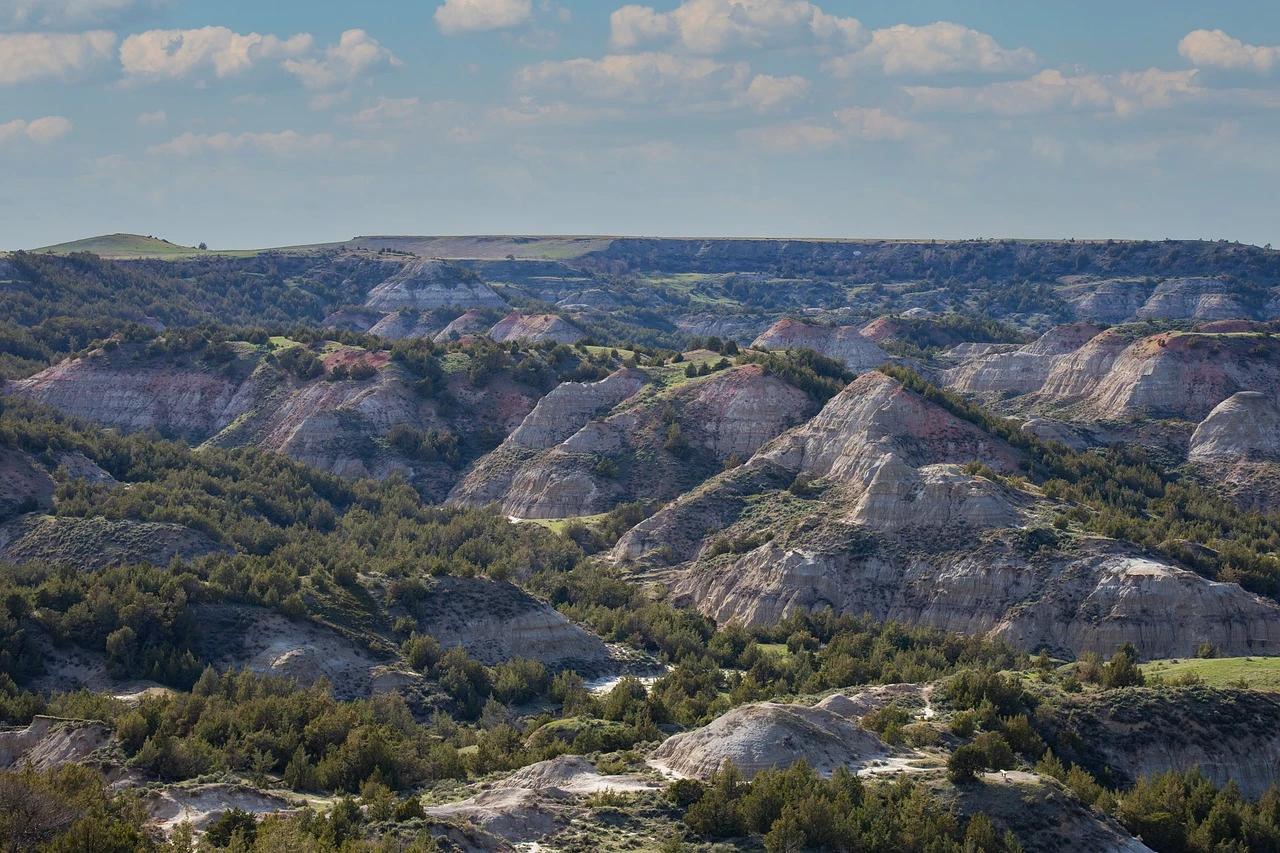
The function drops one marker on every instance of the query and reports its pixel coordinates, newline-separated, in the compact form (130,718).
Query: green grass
(122,246)
(1258,673)
(778,650)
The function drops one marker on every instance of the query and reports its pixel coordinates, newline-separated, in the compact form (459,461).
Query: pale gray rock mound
(429,284)
(843,343)
(1114,300)
(403,324)
(534,328)
(49,742)
(1246,425)
(770,735)
(1075,375)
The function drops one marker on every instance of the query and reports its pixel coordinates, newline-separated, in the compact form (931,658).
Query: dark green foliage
(818,376)
(232,825)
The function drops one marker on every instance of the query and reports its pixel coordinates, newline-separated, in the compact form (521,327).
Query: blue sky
(270,123)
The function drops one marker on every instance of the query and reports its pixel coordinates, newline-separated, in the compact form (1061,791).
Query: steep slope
(431,284)
(881,517)
(1022,370)
(534,328)
(587,448)
(843,343)
(1236,448)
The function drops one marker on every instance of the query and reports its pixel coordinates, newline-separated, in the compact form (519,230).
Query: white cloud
(355,54)
(1216,49)
(156,117)
(714,26)
(766,92)
(68,14)
(286,143)
(641,78)
(465,16)
(38,130)
(1052,91)
(35,56)
(175,54)
(938,48)
(874,124)
(791,138)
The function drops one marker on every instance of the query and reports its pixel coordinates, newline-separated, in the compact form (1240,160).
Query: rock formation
(770,735)
(843,343)
(535,327)
(471,322)
(429,284)
(1022,370)
(1246,425)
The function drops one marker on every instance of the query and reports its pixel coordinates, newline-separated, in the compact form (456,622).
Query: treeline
(1123,492)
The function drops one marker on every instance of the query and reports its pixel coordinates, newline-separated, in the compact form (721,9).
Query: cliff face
(1230,735)
(1184,375)
(843,343)
(897,528)
(585,448)
(429,284)
(1022,370)
(1246,425)
(534,328)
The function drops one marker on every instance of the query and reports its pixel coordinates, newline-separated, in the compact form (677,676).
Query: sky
(277,122)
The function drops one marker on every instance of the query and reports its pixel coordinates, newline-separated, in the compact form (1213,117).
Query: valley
(945,545)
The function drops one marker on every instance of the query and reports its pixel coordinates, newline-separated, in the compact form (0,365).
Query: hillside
(121,247)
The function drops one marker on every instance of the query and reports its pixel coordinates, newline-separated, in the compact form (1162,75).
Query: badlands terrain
(571,543)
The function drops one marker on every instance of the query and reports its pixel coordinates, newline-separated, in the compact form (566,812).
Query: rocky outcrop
(1184,375)
(1023,370)
(1193,299)
(406,323)
(49,742)
(97,543)
(472,322)
(843,343)
(1088,598)
(770,735)
(1126,735)
(1076,374)
(570,459)
(1112,300)
(262,641)
(534,328)
(430,284)
(185,399)
(496,621)
(1246,425)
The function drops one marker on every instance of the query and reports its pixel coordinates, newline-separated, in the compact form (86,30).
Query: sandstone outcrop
(496,621)
(1246,425)
(843,343)
(1022,370)
(534,328)
(49,742)
(430,284)
(406,323)
(1194,299)
(1173,375)
(770,735)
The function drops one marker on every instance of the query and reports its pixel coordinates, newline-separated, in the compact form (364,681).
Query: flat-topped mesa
(1023,370)
(430,284)
(842,343)
(875,414)
(1246,425)
(534,328)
